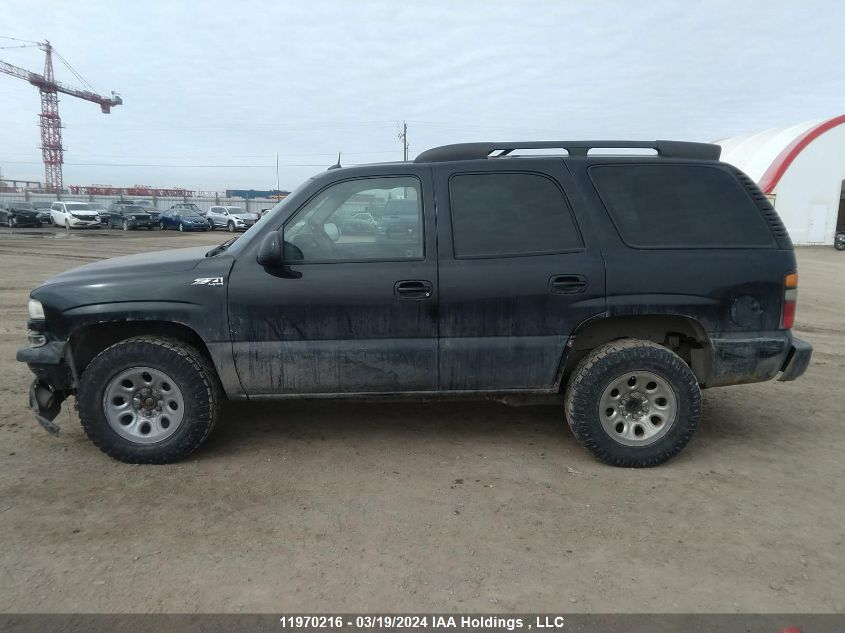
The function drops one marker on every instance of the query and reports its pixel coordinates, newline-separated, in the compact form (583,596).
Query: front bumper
(53,381)
(76,223)
(26,220)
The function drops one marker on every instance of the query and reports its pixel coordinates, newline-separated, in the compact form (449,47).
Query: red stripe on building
(780,164)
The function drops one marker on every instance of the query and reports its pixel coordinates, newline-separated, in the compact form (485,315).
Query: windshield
(134,208)
(78,206)
(23,205)
(235,210)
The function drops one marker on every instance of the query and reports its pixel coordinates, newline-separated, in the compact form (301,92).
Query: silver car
(231,218)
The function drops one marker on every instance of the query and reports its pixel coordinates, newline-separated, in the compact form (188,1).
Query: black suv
(619,284)
(128,216)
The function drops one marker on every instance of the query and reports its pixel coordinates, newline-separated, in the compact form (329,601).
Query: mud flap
(46,404)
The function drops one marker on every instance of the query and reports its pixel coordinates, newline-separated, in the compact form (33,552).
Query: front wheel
(161,225)
(67,225)
(839,245)
(633,403)
(231,227)
(125,225)
(182,227)
(148,400)
(13,222)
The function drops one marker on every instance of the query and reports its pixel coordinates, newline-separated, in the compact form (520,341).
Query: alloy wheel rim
(638,408)
(143,405)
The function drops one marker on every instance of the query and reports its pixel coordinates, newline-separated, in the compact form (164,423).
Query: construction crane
(52,152)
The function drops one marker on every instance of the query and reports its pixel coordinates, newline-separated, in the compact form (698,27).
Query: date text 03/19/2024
(432,622)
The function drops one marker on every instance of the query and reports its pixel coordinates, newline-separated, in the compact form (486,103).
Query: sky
(213,91)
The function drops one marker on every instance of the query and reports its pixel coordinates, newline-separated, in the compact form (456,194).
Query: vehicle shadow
(729,422)
(249,426)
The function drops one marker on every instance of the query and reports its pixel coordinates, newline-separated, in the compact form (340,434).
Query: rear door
(518,273)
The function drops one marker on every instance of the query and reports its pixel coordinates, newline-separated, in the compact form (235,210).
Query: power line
(17,39)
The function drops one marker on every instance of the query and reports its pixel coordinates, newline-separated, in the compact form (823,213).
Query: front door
(355,311)
(517,274)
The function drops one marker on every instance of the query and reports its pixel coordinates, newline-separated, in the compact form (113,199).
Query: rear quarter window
(679,206)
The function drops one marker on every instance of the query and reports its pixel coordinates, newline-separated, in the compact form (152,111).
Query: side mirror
(270,251)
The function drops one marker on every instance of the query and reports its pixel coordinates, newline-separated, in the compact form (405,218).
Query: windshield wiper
(222,247)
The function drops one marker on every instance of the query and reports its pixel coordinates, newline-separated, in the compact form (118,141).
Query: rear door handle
(412,289)
(567,284)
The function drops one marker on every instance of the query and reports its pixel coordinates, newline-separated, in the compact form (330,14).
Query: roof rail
(470,151)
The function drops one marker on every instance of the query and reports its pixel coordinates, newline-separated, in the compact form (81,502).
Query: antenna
(337,165)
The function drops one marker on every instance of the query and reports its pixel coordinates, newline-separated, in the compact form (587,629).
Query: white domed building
(801,168)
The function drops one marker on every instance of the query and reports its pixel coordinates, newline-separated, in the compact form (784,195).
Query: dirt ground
(331,506)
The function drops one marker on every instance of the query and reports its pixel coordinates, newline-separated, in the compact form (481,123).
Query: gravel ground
(337,506)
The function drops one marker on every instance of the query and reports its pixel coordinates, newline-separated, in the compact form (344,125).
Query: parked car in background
(129,217)
(231,218)
(187,206)
(361,224)
(15,213)
(43,209)
(400,219)
(182,220)
(74,215)
(149,207)
(101,211)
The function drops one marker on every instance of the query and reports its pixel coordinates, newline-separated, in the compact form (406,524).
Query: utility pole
(278,186)
(403,136)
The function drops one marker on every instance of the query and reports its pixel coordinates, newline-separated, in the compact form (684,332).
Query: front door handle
(413,289)
(567,284)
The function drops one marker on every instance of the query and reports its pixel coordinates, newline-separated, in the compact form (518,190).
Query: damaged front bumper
(53,382)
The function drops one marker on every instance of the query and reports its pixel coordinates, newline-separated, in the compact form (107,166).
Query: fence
(254,205)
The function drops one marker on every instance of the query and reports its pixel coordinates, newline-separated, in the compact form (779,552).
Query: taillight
(790,298)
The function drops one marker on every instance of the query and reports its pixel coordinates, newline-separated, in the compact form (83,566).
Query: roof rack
(471,151)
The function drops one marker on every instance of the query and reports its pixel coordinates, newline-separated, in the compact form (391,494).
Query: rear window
(510,214)
(674,206)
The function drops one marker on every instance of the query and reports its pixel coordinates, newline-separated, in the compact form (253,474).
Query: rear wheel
(125,225)
(148,400)
(13,221)
(161,225)
(633,403)
(181,227)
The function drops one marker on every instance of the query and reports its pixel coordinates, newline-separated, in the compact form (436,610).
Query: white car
(73,215)
(232,218)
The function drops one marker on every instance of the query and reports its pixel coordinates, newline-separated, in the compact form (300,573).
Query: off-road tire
(187,367)
(600,368)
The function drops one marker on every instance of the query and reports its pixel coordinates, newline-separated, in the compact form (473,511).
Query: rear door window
(500,214)
(679,206)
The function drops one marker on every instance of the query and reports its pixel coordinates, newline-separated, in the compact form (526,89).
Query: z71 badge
(208,281)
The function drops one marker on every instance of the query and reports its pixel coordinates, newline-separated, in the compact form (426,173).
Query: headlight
(36,310)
